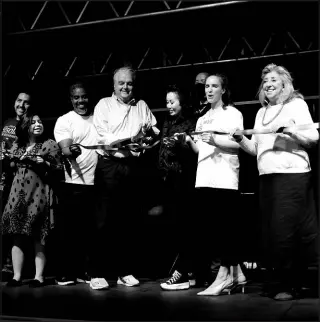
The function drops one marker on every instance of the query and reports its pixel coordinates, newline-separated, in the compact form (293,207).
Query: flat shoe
(14,283)
(36,283)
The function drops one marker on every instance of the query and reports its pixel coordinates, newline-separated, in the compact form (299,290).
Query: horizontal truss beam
(215,62)
(97,22)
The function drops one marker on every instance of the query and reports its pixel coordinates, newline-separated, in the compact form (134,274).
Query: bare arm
(68,149)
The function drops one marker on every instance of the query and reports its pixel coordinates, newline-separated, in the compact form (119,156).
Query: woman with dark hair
(286,198)
(217,182)
(177,164)
(29,210)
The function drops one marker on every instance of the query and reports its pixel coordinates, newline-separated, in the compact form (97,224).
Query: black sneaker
(176,282)
(84,278)
(66,280)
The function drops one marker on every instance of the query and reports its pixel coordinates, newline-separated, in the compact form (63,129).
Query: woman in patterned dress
(28,212)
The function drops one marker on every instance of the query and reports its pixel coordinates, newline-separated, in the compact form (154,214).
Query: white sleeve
(62,129)
(301,112)
(150,118)
(100,121)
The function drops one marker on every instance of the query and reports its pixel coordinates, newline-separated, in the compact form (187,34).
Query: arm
(225,142)
(306,138)
(68,149)
(192,144)
(249,146)
(63,136)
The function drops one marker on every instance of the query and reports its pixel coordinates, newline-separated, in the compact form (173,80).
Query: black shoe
(176,282)
(36,283)
(14,283)
(84,278)
(66,280)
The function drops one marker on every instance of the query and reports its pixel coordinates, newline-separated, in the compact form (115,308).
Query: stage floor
(149,302)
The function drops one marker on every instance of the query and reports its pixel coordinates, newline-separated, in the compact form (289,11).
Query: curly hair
(288,92)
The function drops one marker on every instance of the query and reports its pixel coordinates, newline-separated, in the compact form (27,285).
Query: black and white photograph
(160,160)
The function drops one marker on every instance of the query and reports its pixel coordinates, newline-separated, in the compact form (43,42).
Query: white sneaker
(128,280)
(98,284)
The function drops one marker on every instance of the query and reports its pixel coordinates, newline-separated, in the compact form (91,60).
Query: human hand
(39,159)
(75,150)
(208,138)
(284,129)
(169,142)
(235,137)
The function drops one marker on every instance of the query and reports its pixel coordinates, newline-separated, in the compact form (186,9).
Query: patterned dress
(29,210)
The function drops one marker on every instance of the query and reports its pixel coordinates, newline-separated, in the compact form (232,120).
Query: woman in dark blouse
(177,164)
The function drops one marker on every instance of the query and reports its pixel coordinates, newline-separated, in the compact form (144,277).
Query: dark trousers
(74,224)
(289,225)
(216,228)
(118,204)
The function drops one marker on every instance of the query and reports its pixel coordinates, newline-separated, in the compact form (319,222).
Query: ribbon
(131,146)
(263,131)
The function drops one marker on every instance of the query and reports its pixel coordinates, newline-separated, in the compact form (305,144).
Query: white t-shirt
(218,168)
(115,120)
(81,130)
(275,154)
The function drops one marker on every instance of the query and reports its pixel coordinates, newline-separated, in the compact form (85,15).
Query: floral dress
(29,210)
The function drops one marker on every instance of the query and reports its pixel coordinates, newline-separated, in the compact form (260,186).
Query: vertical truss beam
(70,67)
(64,13)
(82,11)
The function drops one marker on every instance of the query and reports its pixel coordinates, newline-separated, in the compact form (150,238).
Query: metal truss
(78,14)
(237,48)
(41,18)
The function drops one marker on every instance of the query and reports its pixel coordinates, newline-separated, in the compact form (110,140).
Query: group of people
(99,152)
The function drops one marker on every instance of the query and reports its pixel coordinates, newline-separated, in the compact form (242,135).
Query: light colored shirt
(79,129)
(218,168)
(274,153)
(115,120)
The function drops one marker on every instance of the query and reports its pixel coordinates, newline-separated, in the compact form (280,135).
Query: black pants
(216,228)
(289,225)
(118,216)
(74,223)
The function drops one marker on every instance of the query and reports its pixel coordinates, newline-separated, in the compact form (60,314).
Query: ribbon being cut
(265,131)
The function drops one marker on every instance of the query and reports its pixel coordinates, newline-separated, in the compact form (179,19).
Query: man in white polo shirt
(116,178)
(75,220)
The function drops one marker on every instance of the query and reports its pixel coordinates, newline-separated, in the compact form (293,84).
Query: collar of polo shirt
(132,102)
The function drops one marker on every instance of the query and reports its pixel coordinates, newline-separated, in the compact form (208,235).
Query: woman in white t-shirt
(286,198)
(217,181)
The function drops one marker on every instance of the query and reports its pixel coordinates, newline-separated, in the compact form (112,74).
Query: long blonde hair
(288,93)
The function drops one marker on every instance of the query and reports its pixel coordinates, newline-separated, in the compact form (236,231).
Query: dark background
(200,35)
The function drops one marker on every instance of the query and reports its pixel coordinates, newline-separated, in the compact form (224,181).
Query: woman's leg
(40,261)
(17,257)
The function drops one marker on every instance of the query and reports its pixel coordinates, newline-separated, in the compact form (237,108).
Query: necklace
(264,115)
